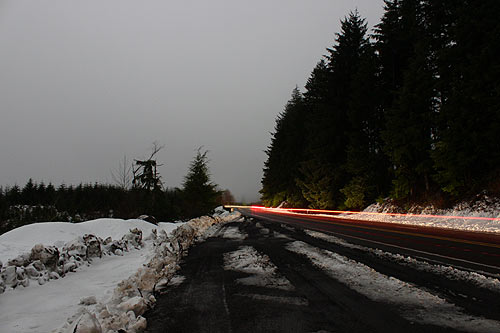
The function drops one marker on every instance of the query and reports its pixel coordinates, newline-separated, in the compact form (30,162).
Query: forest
(409,111)
(138,190)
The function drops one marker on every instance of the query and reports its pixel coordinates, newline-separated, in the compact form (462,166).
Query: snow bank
(484,207)
(87,296)
(133,296)
(22,239)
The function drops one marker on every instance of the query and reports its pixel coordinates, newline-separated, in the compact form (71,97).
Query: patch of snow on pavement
(415,304)
(447,271)
(263,272)
(176,280)
(277,299)
(234,233)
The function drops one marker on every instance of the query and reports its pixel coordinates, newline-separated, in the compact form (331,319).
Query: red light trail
(307,211)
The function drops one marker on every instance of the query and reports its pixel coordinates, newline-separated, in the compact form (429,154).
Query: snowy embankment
(482,215)
(100,274)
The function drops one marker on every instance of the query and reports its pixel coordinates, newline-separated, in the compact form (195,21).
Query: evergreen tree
(29,193)
(409,105)
(467,153)
(324,171)
(50,194)
(284,156)
(13,195)
(199,193)
(3,205)
(366,163)
(40,194)
(395,35)
(408,135)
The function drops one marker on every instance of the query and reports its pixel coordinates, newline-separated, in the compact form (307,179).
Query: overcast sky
(83,83)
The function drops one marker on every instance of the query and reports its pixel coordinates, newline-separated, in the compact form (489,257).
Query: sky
(84,83)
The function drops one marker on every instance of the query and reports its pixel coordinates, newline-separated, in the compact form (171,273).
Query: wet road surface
(212,297)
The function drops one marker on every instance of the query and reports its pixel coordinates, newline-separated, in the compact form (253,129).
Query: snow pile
(44,263)
(87,288)
(484,207)
(133,296)
(263,272)
(22,239)
(447,271)
(234,233)
(413,303)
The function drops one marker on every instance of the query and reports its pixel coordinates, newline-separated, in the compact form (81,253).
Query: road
(214,296)
(466,250)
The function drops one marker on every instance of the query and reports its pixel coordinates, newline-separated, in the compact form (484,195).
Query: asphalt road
(212,298)
(474,251)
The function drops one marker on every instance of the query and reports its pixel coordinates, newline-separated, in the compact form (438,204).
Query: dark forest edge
(139,192)
(410,113)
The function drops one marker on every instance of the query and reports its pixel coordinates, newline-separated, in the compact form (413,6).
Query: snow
(298,301)
(22,239)
(421,265)
(102,294)
(485,208)
(233,233)
(43,308)
(413,303)
(482,214)
(262,271)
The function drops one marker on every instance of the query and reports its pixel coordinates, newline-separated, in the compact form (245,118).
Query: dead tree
(122,176)
(145,172)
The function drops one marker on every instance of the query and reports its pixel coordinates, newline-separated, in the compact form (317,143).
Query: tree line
(410,111)
(139,191)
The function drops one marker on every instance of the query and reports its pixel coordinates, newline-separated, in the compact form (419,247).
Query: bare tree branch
(122,176)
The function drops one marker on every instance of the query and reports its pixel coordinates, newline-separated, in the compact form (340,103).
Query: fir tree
(468,150)
(29,193)
(409,105)
(199,193)
(284,156)
(366,163)
(324,169)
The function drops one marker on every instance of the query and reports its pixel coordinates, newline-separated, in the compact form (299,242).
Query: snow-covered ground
(44,308)
(421,265)
(412,302)
(109,292)
(22,239)
(482,215)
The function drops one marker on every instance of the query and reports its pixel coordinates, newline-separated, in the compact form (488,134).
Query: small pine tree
(199,193)
(29,193)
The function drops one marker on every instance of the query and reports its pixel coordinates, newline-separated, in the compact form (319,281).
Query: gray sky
(83,83)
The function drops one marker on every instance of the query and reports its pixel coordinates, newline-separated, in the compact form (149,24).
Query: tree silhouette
(199,193)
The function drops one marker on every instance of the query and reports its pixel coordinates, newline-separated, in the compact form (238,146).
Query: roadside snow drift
(22,239)
(73,274)
(484,208)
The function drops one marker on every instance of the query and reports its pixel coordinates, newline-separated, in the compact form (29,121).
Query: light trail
(338,212)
